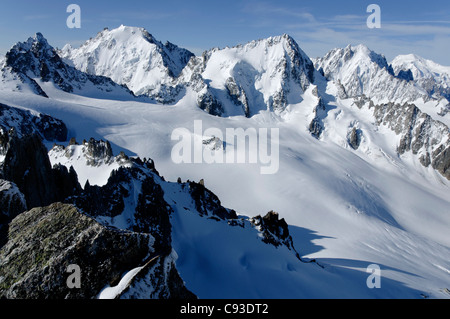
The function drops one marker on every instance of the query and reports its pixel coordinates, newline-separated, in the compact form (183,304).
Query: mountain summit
(35,62)
(362,148)
(266,74)
(130,56)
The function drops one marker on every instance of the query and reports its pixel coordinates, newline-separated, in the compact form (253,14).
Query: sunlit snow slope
(346,208)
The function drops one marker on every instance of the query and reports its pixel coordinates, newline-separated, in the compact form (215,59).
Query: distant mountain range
(364,166)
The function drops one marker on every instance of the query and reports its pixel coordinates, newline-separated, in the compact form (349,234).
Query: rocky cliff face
(394,95)
(28,166)
(43,242)
(426,138)
(36,60)
(267,74)
(119,234)
(133,57)
(12,204)
(24,122)
(358,71)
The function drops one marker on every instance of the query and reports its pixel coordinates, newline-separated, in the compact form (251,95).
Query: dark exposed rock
(316,128)
(354,138)
(12,200)
(153,215)
(98,150)
(12,204)
(28,166)
(210,104)
(26,123)
(274,229)
(109,199)
(161,278)
(66,181)
(207,203)
(43,242)
(405,75)
(237,95)
(4,139)
(420,134)
(441,160)
(278,101)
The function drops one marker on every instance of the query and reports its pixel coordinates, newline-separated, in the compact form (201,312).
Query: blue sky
(420,27)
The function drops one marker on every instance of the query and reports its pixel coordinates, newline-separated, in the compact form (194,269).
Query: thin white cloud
(37,17)
(140,15)
(319,34)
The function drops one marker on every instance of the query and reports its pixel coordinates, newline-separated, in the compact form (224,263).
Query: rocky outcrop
(405,75)
(23,122)
(27,165)
(275,230)
(424,137)
(96,150)
(158,279)
(237,95)
(95,153)
(316,126)
(210,104)
(36,58)
(13,201)
(43,242)
(12,204)
(354,138)
(207,203)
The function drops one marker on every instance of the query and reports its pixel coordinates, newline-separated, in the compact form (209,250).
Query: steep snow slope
(348,206)
(348,209)
(92,160)
(130,56)
(267,74)
(360,71)
(432,77)
(242,80)
(33,63)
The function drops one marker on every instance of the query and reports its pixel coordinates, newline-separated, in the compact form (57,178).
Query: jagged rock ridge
(132,57)
(106,230)
(36,60)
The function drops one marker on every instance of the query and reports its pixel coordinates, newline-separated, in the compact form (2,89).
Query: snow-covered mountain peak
(359,59)
(432,77)
(265,74)
(35,64)
(377,173)
(419,62)
(130,56)
(359,71)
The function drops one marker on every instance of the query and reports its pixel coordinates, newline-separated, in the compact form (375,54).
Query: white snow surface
(112,292)
(127,55)
(347,209)
(422,68)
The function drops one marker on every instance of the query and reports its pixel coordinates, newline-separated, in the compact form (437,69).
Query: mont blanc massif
(116,164)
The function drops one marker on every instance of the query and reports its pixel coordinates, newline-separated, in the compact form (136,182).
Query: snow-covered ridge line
(130,56)
(35,62)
